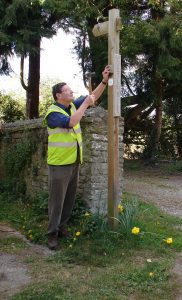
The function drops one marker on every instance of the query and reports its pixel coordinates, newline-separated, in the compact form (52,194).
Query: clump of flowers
(87,214)
(169,240)
(135,230)
(74,239)
(120,208)
(29,234)
(128,212)
(77,234)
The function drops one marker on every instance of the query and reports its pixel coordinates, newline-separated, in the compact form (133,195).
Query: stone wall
(94,171)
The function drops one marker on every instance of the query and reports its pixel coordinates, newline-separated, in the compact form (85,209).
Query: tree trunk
(158,126)
(32,94)
(152,150)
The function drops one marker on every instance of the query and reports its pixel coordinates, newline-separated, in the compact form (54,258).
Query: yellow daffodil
(120,208)
(77,233)
(151,274)
(87,214)
(30,236)
(74,239)
(169,240)
(135,230)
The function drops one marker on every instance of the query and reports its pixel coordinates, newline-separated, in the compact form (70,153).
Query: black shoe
(53,241)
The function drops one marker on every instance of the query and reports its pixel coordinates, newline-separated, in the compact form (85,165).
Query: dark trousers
(62,191)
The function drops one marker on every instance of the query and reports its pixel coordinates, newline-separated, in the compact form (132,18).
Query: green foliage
(46,98)
(84,220)
(17,156)
(15,159)
(168,140)
(29,217)
(11,109)
(23,22)
(40,203)
(173,167)
(150,276)
(13,186)
(78,211)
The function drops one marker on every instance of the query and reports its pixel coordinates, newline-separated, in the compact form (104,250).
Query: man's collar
(62,106)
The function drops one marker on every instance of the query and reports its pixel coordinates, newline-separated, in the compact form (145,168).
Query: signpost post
(112,29)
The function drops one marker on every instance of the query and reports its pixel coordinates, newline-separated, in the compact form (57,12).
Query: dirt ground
(163,191)
(154,187)
(14,273)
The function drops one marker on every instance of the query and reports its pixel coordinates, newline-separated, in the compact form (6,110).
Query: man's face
(66,94)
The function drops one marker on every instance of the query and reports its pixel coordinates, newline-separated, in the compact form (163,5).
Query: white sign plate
(110,82)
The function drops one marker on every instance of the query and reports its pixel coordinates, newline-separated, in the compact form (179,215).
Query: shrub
(10,109)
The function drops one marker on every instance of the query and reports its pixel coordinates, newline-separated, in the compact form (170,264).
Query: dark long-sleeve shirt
(56,119)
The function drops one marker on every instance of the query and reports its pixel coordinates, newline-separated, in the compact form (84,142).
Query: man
(65,153)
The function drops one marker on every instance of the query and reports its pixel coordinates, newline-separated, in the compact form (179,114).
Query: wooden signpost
(112,29)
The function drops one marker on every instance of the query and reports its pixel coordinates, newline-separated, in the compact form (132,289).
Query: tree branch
(22,73)
(83,59)
(127,84)
(147,112)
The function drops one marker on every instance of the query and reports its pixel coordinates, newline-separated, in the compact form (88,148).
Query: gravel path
(161,190)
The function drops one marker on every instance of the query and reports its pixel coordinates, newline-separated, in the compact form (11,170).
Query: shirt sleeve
(56,119)
(79,101)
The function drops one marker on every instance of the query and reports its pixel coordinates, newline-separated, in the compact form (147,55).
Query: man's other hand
(90,100)
(105,74)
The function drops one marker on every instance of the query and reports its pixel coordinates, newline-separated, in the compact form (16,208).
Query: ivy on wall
(17,156)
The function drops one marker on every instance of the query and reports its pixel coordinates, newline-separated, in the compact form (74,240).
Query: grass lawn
(96,262)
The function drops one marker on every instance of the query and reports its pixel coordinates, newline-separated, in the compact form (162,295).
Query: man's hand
(101,87)
(90,100)
(105,74)
(76,117)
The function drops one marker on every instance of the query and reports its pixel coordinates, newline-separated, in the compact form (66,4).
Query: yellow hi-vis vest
(63,143)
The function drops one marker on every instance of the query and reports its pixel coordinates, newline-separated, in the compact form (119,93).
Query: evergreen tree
(151,49)
(23,24)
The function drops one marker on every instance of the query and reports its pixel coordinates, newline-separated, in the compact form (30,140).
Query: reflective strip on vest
(63,145)
(63,130)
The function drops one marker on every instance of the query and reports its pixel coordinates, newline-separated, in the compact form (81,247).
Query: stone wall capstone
(93,181)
